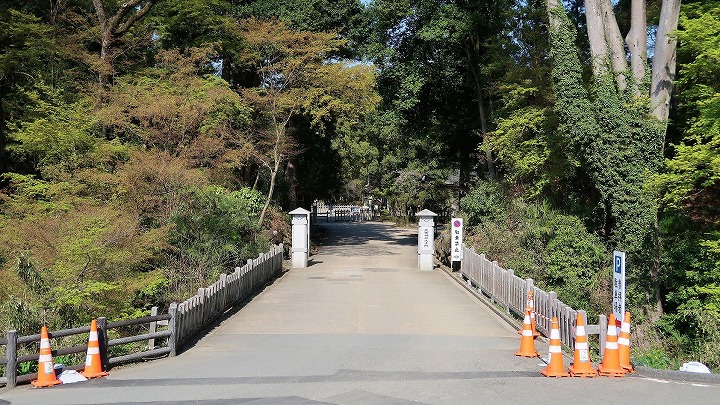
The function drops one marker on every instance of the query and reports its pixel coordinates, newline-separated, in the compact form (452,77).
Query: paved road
(360,326)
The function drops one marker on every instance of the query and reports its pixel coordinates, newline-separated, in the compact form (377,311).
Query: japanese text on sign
(619,286)
(456,231)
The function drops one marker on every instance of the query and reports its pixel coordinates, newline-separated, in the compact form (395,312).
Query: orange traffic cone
(610,366)
(93,363)
(555,367)
(527,342)
(530,306)
(581,366)
(46,368)
(624,344)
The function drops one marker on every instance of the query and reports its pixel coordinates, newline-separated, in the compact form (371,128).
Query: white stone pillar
(300,237)
(426,240)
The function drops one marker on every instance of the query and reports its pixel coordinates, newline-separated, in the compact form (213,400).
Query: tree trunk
(663,71)
(637,44)
(291,180)
(615,45)
(471,50)
(656,301)
(257,180)
(115,27)
(596,35)
(273,175)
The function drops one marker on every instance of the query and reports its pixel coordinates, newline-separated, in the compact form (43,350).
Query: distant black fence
(340,213)
(164,333)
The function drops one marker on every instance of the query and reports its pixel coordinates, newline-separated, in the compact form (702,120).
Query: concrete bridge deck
(360,326)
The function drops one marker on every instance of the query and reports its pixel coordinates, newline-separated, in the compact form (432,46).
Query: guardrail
(507,290)
(182,322)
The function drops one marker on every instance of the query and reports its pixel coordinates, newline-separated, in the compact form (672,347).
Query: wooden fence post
(603,323)
(508,289)
(552,295)
(223,284)
(172,328)
(493,293)
(153,327)
(529,286)
(201,311)
(11,357)
(102,342)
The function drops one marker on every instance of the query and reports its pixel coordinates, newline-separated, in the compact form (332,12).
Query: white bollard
(300,237)
(426,240)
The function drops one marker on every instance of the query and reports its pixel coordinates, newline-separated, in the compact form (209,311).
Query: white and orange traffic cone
(93,362)
(581,367)
(624,344)
(555,367)
(530,306)
(46,368)
(527,342)
(610,366)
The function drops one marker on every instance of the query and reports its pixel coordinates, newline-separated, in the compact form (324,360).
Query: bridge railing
(135,339)
(197,312)
(509,291)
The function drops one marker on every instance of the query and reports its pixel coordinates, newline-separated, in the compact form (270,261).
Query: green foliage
(60,137)
(575,261)
(653,358)
(687,192)
(538,242)
(214,231)
(484,203)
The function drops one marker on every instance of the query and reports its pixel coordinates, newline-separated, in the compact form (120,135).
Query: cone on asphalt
(93,362)
(555,367)
(581,367)
(527,342)
(46,368)
(624,344)
(610,366)
(530,306)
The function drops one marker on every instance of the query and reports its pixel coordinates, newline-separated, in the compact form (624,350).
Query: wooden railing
(509,291)
(197,312)
(182,322)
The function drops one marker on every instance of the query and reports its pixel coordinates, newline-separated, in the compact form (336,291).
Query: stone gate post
(426,240)
(300,237)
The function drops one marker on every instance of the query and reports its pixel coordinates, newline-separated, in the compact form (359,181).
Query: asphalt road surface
(361,325)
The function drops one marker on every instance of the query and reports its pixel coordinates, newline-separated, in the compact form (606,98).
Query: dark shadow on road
(343,375)
(354,238)
(233,401)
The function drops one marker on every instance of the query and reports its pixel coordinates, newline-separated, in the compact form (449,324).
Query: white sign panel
(618,286)
(426,240)
(456,239)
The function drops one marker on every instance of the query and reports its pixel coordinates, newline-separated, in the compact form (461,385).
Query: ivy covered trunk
(615,133)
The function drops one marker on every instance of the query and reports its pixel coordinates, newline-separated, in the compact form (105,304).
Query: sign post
(618,286)
(456,230)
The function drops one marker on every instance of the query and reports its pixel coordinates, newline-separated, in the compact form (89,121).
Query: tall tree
(616,129)
(438,62)
(296,78)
